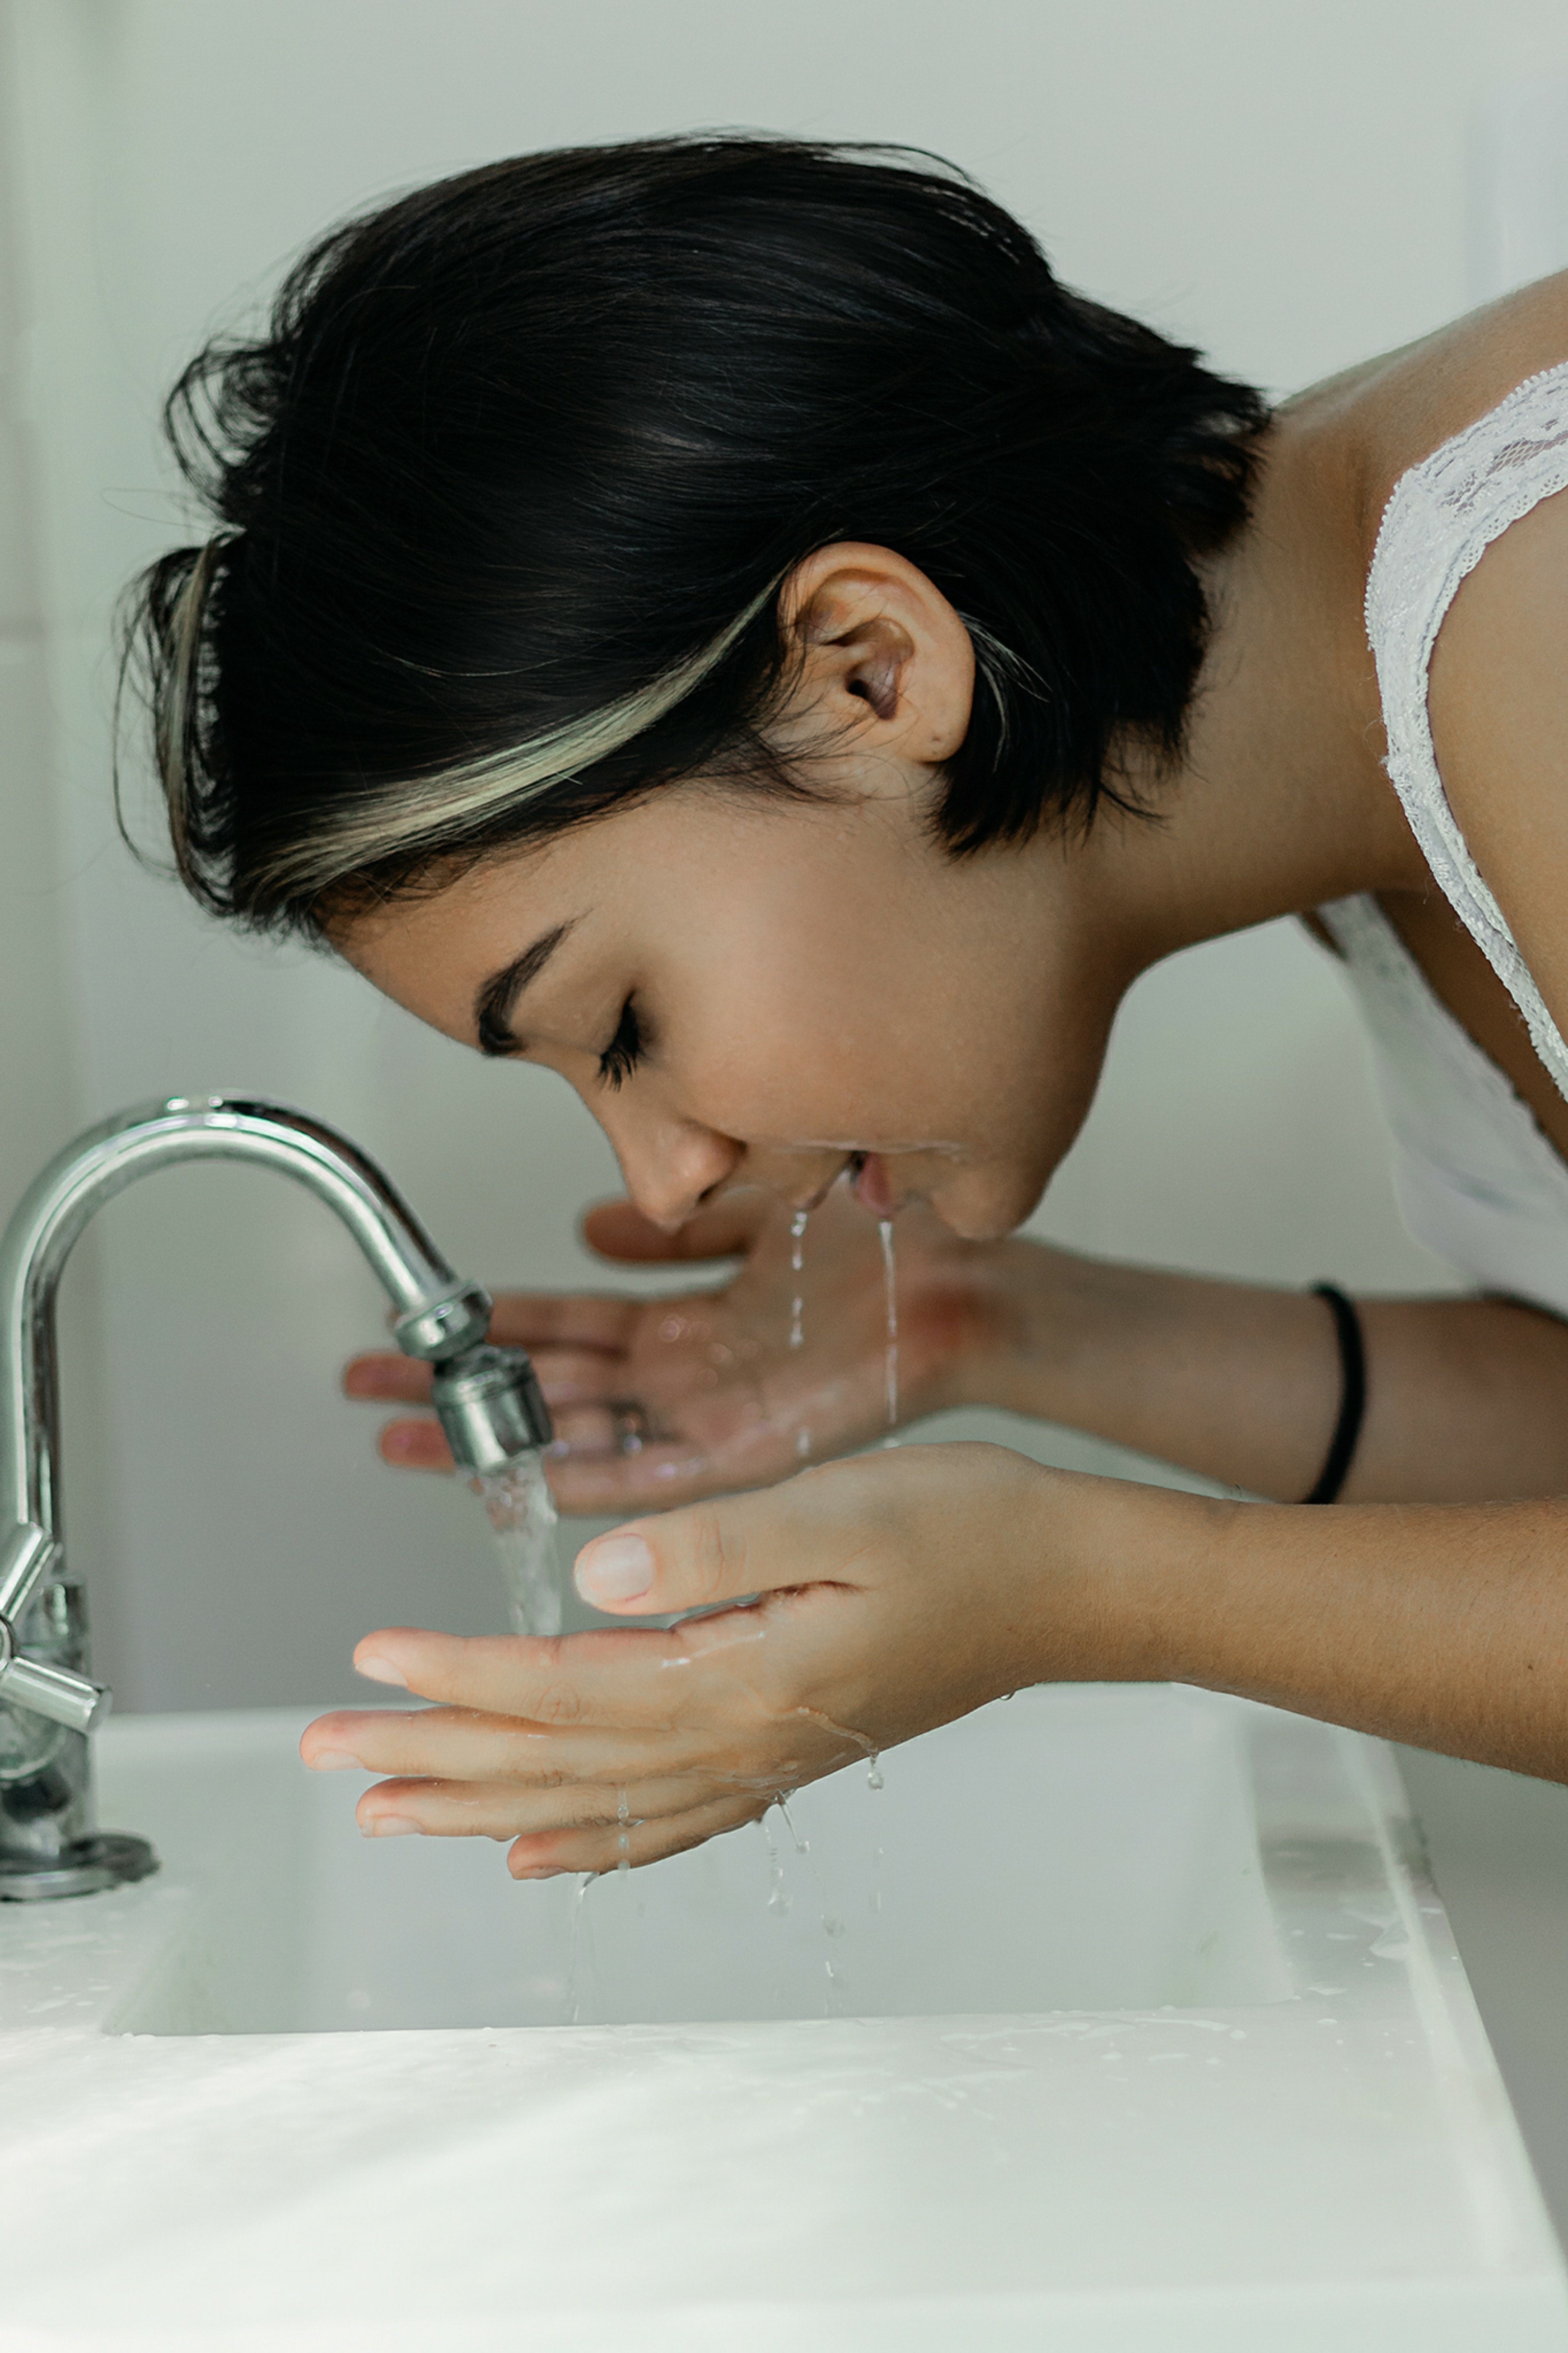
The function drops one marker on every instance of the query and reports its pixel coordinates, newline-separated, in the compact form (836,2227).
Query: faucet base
(112,1859)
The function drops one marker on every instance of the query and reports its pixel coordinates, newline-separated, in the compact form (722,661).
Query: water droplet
(801,1846)
(779,1897)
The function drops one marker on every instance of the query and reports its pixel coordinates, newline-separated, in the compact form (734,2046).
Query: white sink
(1134,2022)
(1066,1850)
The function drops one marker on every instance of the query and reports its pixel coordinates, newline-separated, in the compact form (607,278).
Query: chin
(987,1209)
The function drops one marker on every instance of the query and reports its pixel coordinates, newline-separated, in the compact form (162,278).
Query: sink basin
(1119,2018)
(1110,1864)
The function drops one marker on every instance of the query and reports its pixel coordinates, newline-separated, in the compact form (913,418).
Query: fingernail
(381,1670)
(335,1760)
(388,1826)
(398,1440)
(614,1569)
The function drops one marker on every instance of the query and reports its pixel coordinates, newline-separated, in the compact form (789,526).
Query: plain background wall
(1290,185)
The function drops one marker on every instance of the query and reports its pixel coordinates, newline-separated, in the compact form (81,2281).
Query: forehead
(433,947)
(430,947)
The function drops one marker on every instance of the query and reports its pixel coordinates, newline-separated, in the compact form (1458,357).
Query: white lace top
(1477,1179)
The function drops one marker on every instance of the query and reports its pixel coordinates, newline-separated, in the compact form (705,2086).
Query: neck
(1280,802)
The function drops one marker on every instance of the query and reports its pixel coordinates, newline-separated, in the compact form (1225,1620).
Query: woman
(717,619)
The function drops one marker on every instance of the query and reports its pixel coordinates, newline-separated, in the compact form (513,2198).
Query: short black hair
(540,443)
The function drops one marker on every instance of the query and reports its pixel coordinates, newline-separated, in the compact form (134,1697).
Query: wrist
(1132,1598)
(1034,1320)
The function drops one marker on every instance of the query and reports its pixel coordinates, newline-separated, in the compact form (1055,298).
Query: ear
(887,665)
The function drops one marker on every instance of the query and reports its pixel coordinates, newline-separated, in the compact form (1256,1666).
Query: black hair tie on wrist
(1353,1395)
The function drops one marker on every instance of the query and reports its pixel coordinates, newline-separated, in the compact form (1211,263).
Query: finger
(642,1678)
(547,1319)
(617,1230)
(456,1743)
(612,1483)
(414,1445)
(496,1810)
(602,1482)
(564,1371)
(547,1853)
(724,1551)
(591,1430)
(419,1443)
(384,1374)
(599,1474)
(569,1375)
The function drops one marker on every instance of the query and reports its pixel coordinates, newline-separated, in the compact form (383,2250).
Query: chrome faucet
(488,1400)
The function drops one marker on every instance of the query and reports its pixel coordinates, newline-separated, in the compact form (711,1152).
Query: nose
(670,1165)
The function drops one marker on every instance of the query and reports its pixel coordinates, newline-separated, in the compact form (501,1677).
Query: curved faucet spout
(437,1315)
(488,1398)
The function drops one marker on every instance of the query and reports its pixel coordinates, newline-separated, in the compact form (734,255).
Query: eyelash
(625,1051)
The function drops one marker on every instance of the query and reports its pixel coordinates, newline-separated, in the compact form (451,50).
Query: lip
(874,1188)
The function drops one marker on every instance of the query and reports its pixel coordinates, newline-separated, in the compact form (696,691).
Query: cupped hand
(848,1609)
(658,1400)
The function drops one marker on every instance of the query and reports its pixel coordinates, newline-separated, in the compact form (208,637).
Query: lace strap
(1442,517)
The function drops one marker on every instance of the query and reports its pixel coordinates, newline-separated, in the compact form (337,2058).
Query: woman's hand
(895,1592)
(657,1400)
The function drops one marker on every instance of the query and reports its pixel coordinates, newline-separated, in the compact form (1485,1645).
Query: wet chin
(986,1208)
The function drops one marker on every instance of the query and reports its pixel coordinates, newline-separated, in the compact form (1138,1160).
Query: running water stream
(797,1225)
(891,1344)
(521,1511)
(523,1517)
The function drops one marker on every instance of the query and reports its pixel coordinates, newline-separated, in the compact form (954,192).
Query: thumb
(679,1560)
(690,1559)
(810,1530)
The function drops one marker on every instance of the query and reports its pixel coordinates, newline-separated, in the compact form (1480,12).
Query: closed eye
(625,1051)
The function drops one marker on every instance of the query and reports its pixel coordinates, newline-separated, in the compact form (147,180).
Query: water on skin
(521,1511)
(890,1346)
(623,1834)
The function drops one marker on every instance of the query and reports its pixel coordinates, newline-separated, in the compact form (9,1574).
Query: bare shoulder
(1401,407)
(1499,707)
(1498,681)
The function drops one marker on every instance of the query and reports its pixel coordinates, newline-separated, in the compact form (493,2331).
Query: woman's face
(755,990)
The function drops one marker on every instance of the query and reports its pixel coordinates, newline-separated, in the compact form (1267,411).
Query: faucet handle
(27,1557)
(56,1691)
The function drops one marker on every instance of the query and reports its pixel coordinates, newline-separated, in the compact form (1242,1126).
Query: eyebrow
(495,998)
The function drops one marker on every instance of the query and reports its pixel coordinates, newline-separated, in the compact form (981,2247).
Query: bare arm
(1468,1399)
